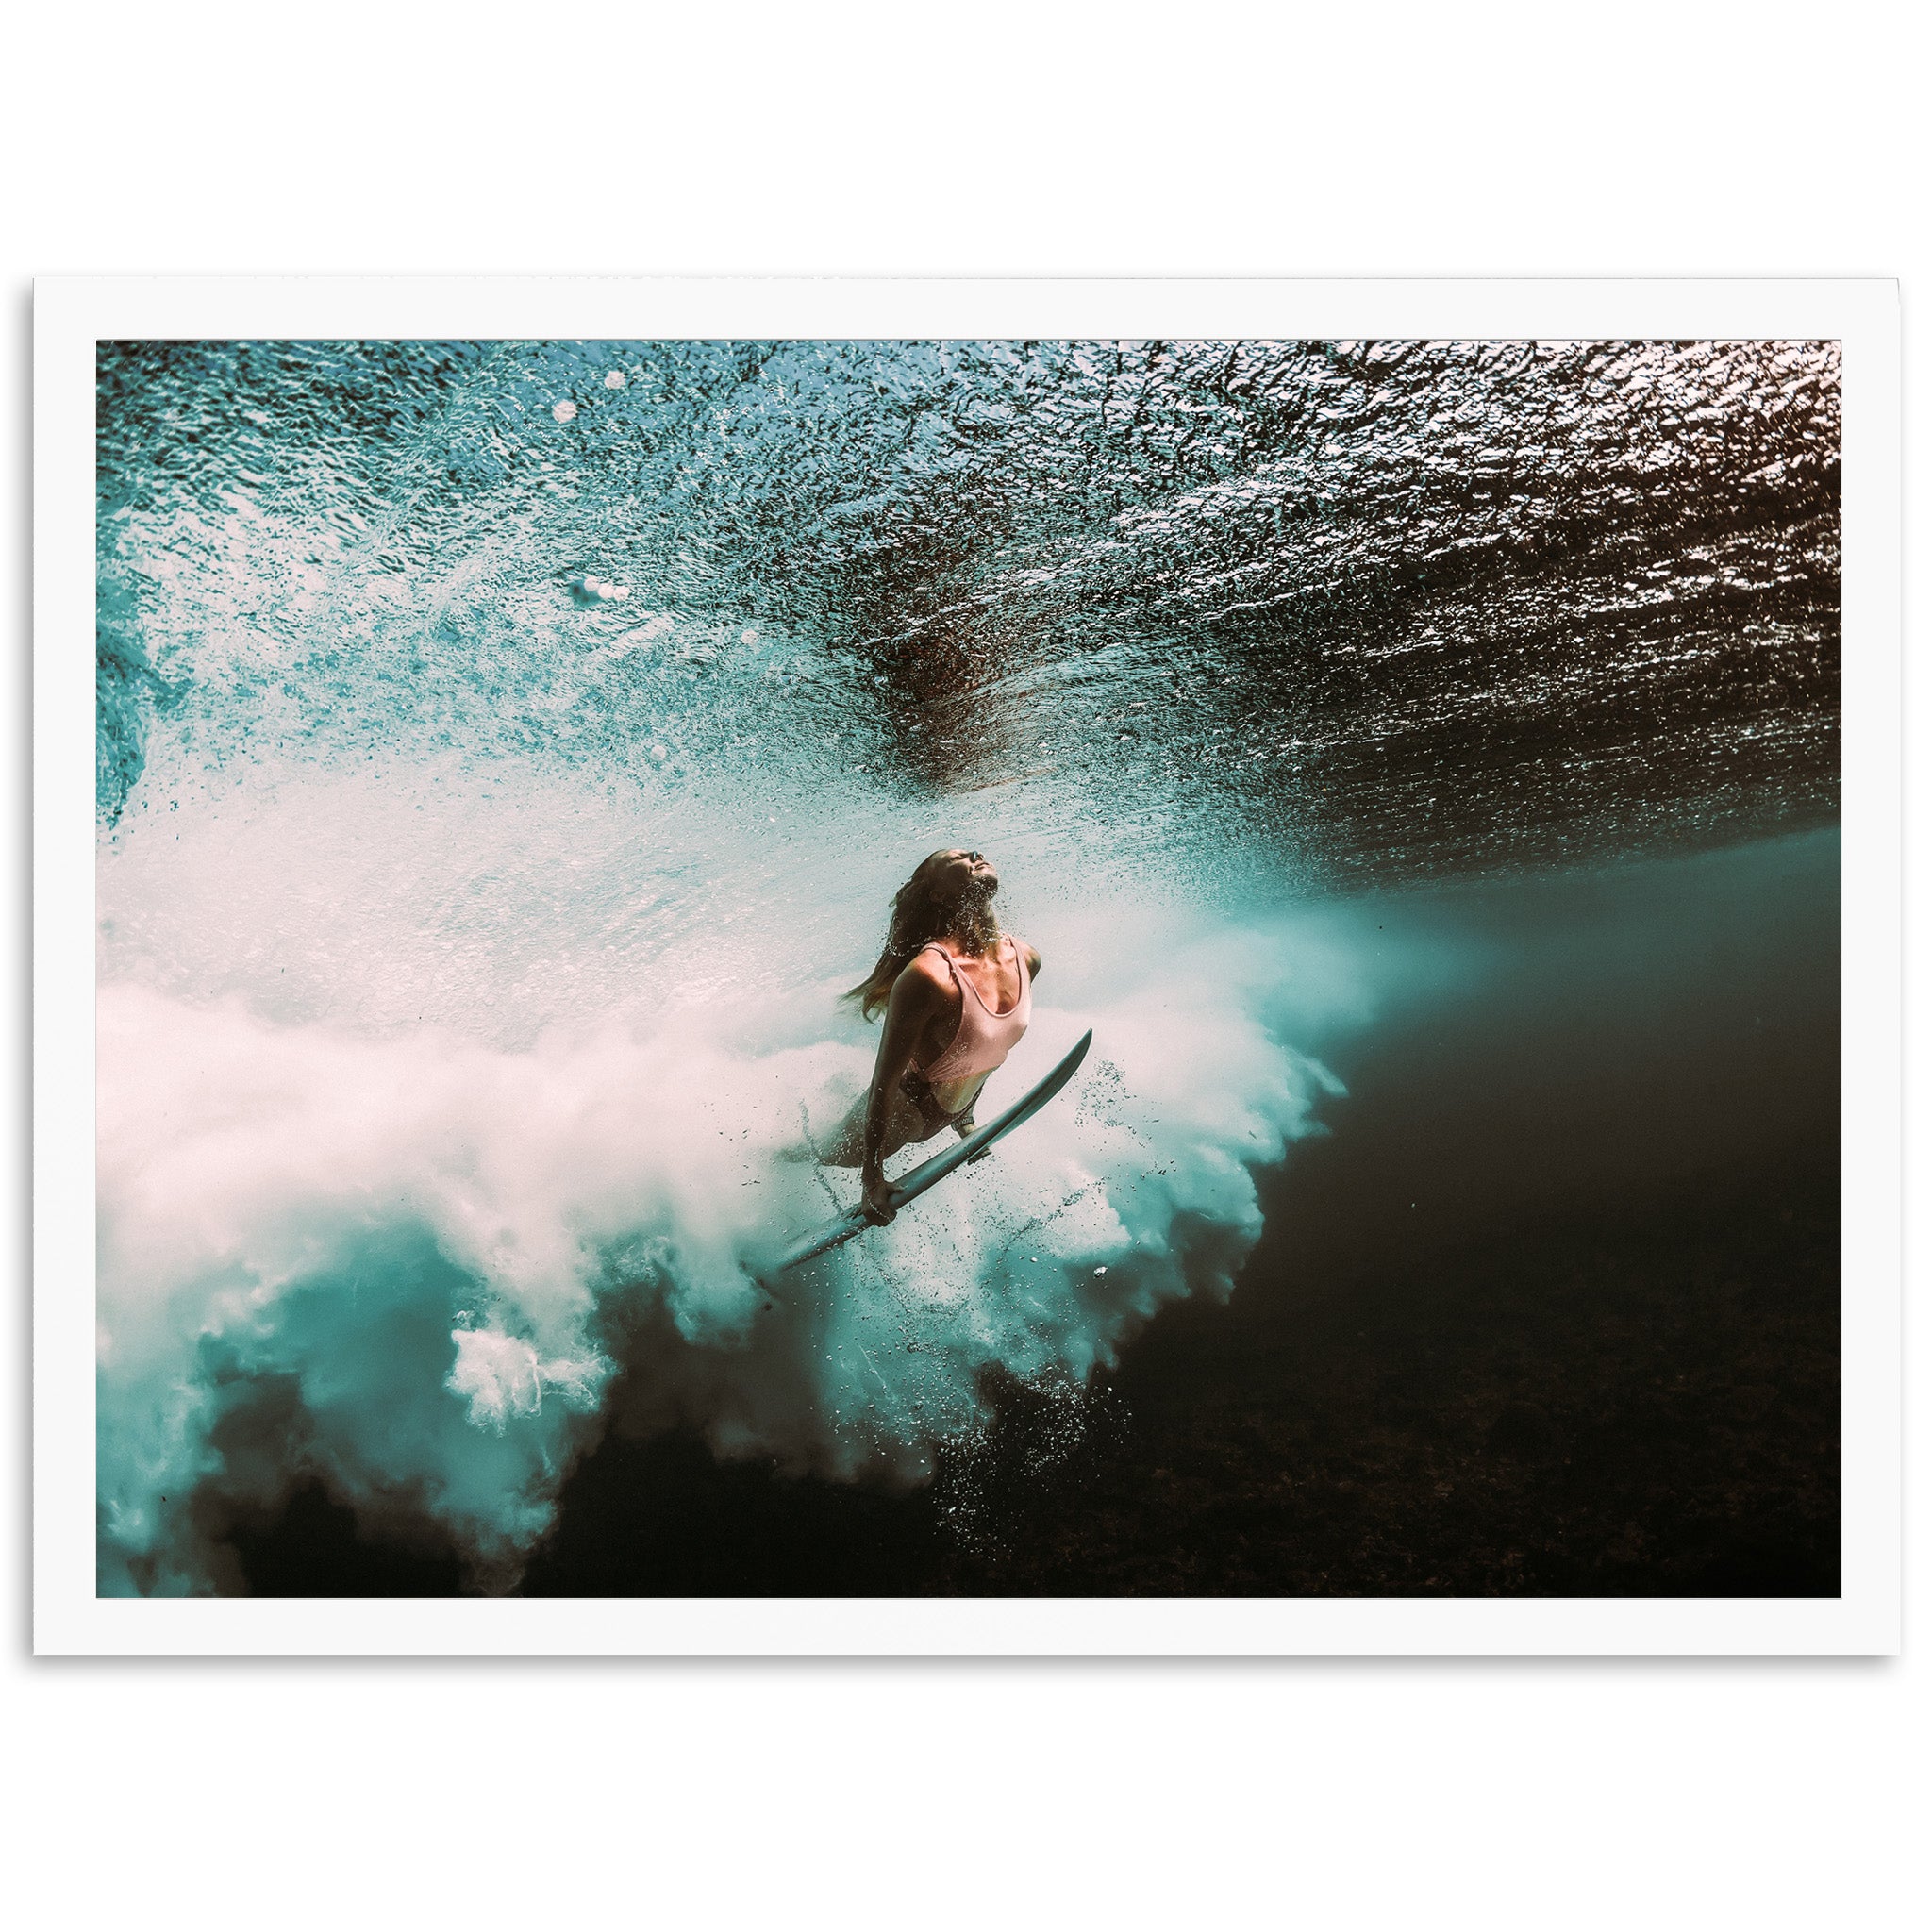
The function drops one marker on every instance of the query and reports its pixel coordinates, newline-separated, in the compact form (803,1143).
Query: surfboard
(912,1184)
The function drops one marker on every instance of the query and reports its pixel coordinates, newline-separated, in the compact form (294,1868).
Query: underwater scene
(1416,762)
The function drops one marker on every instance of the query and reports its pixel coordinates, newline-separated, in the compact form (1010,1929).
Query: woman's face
(952,872)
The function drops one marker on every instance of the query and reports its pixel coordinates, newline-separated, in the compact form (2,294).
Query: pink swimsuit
(982,1042)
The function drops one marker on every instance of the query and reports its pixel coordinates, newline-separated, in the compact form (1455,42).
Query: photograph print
(968,968)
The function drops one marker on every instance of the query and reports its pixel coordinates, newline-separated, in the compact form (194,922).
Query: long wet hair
(917,918)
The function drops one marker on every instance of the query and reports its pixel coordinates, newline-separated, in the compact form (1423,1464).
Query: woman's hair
(919,917)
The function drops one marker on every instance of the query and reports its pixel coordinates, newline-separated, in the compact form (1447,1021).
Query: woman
(957,993)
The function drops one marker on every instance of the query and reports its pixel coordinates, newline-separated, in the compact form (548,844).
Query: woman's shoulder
(931,965)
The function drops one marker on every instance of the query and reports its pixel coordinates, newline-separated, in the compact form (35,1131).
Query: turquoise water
(506,752)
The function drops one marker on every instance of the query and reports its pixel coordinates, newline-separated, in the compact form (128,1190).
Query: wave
(418,1268)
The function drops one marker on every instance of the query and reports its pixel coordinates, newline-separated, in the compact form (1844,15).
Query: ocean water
(506,752)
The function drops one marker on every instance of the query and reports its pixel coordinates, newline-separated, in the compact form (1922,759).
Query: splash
(436,1254)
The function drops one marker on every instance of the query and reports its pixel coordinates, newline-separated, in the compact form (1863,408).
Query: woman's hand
(876,1199)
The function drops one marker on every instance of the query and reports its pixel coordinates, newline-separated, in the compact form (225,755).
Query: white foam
(441,1247)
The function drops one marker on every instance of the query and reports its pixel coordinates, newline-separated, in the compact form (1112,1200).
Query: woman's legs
(913,1112)
(905,1124)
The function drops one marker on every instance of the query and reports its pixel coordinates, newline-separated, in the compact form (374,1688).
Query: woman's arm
(1032,962)
(917,998)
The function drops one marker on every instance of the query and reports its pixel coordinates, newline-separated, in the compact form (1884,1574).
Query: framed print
(966,967)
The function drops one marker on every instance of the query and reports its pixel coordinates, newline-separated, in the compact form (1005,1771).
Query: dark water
(507,749)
